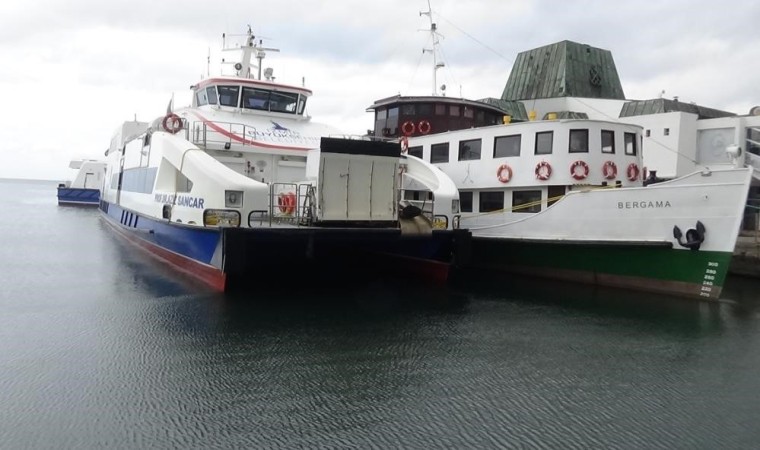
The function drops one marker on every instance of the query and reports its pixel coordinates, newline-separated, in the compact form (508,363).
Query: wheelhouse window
(440,110)
(504,146)
(201,97)
(454,110)
(425,109)
(578,141)
(211,95)
(408,110)
(491,201)
(465,201)
(608,141)
(469,112)
(544,140)
(284,102)
(469,150)
(255,98)
(416,151)
(630,143)
(439,153)
(526,201)
(228,95)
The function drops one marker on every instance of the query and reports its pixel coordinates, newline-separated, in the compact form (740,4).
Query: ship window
(381,114)
(416,151)
(544,142)
(255,98)
(506,146)
(301,103)
(469,112)
(608,141)
(439,153)
(440,110)
(465,201)
(491,201)
(408,110)
(454,110)
(649,133)
(393,112)
(578,141)
(526,201)
(284,102)
(211,95)
(555,193)
(200,97)
(425,109)
(228,95)
(666,131)
(630,143)
(480,118)
(469,150)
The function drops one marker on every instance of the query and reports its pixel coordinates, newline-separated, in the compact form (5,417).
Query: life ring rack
(609,170)
(407,128)
(172,123)
(583,169)
(504,173)
(543,170)
(632,172)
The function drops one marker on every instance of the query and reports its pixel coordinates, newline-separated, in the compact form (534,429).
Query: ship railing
(220,135)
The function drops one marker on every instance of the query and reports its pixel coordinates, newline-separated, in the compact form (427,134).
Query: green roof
(564,69)
(515,109)
(662,105)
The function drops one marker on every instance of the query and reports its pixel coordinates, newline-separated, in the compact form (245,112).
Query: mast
(434,35)
(251,50)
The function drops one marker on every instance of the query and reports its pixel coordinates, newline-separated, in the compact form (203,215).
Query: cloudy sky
(73,70)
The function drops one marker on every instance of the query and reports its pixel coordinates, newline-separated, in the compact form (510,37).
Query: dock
(746,259)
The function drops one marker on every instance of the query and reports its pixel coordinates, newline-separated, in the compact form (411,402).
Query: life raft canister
(504,173)
(543,170)
(579,170)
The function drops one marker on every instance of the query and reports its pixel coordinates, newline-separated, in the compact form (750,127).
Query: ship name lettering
(644,205)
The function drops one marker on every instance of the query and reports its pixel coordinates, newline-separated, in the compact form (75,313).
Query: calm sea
(101,347)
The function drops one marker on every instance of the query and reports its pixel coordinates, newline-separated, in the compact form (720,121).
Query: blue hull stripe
(78,196)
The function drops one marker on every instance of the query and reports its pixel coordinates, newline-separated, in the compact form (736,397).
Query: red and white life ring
(287,202)
(424,127)
(408,128)
(609,170)
(579,170)
(543,170)
(404,142)
(172,123)
(504,173)
(632,172)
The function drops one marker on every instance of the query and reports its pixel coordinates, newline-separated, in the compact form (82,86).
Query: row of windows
(251,98)
(437,109)
(527,201)
(506,146)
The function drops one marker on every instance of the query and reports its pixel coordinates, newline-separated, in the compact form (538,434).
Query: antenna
(434,36)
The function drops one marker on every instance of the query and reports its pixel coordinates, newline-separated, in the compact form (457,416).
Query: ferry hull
(638,266)
(239,258)
(78,196)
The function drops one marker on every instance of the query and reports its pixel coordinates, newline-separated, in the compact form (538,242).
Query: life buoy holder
(172,123)
(404,142)
(543,170)
(424,127)
(286,202)
(632,172)
(609,170)
(408,128)
(504,173)
(579,170)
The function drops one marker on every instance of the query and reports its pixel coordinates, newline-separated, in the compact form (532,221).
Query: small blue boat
(85,189)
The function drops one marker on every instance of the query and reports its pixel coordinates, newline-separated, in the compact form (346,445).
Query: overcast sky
(73,70)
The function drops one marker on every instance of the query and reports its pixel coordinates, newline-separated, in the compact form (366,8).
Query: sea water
(102,347)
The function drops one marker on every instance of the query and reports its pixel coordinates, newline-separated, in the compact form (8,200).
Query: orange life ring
(172,123)
(609,170)
(632,172)
(543,170)
(404,142)
(579,175)
(408,128)
(424,127)
(504,173)
(287,202)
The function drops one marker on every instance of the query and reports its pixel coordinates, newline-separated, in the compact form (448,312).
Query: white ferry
(566,196)
(84,189)
(242,183)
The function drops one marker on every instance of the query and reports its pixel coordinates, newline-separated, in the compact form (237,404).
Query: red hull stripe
(241,139)
(209,275)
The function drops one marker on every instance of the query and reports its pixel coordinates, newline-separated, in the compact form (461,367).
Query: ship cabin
(248,95)
(504,159)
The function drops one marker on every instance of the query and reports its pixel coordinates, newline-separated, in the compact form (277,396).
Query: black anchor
(694,237)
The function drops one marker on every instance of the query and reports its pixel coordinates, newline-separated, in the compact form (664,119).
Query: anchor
(694,237)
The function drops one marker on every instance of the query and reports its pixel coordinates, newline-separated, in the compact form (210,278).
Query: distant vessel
(242,184)
(564,196)
(84,190)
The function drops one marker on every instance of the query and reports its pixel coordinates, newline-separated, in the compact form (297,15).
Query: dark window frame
(551,141)
(465,201)
(416,151)
(633,144)
(507,138)
(490,203)
(436,155)
(583,133)
(528,192)
(608,132)
(470,152)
